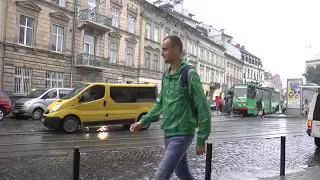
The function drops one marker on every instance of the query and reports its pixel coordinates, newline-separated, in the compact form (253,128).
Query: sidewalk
(310,173)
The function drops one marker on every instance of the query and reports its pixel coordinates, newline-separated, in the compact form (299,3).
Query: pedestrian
(217,100)
(179,121)
(260,109)
(229,106)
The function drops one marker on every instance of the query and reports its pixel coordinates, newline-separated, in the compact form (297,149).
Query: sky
(282,33)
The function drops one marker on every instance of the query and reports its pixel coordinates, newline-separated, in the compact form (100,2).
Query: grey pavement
(243,148)
(241,160)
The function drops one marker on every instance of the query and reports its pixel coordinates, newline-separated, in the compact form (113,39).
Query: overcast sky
(279,32)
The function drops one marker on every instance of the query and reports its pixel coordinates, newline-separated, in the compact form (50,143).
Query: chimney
(222,30)
(229,41)
(238,45)
(243,47)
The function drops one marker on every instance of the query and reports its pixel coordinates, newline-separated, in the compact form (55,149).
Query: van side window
(123,94)
(51,94)
(133,94)
(146,94)
(316,112)
(93,93)
(63,92)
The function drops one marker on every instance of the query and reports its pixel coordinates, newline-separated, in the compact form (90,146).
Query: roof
(245,51)
(234,58)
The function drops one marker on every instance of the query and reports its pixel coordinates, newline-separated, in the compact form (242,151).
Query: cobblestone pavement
(238,159)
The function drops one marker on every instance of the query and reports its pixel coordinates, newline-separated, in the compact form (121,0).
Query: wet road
(243,149)
(22,137)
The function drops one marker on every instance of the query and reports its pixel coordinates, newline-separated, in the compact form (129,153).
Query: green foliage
(312,74)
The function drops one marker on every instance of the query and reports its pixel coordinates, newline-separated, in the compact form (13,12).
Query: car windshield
(240,91)
(72,93)
(36,93)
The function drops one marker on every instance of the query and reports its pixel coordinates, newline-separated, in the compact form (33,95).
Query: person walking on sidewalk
(260,109)
(179,121)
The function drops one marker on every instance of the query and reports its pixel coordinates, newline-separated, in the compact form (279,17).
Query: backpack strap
(184,75)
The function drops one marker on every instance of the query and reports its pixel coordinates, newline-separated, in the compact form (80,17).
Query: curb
(278,117)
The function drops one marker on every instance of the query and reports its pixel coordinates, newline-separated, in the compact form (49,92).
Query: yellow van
(101,104)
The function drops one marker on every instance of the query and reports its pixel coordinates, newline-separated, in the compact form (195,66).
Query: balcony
(88,61)
(92,19)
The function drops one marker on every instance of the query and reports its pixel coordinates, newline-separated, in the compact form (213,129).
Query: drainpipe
(73,41)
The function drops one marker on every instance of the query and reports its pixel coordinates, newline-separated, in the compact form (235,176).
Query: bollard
(76,163)
(282,156)
(208,161)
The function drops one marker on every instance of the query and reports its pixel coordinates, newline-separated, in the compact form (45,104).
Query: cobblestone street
(243,159)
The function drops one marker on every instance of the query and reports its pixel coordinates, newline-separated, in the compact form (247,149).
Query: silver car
(36,102)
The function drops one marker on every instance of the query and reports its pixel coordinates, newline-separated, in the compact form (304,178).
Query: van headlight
(27,105)
(56,107)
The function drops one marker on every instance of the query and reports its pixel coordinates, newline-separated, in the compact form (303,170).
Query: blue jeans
(175,158)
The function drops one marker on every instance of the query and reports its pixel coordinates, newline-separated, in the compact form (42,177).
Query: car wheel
(37,114)
(317,141)
(147,127)
(2,114)
(70,124)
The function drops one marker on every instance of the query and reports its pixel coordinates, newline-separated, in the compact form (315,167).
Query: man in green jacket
(178,121)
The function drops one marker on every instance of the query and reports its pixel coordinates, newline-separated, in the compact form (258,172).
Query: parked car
(37,101)
(5,105)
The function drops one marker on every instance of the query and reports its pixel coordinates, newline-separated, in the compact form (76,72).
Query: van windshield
(36,93)
(240,91)
(72,93)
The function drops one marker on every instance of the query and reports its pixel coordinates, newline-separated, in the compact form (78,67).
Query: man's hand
(136,127)
(200,150)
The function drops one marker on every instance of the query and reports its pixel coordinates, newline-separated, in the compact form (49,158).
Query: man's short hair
(175,41)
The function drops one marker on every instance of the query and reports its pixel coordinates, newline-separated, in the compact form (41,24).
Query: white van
(313,123)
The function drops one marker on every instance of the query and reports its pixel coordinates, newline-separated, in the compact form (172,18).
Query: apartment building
(234,70)
(37,45)
(107,42)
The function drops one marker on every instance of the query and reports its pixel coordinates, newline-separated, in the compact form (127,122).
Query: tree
(312,74)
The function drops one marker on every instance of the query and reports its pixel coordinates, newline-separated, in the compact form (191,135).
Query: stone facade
(37,46)
(234,73)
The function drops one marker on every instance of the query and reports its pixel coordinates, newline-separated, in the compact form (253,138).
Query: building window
(201,74)
(22,80)
(129,57)
(54,79)
(61,3)
(113,52)
(131,24)
(57,38)
(148,31)
(115,17)
(156,34)
(89,44)
(207,57)
(26,30)
(202,54)
(194,49)
(190,48)
(92,4)
(207,74)
(155,62)
(167,33)
(147,63)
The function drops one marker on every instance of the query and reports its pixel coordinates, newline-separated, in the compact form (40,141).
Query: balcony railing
(92,61)
(94,18)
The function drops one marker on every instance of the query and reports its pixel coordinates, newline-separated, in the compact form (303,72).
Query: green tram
(245,97)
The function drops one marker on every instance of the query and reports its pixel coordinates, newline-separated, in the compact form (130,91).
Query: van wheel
(2,114)
(70,124)
(147,127)
(37,114)
(317,141)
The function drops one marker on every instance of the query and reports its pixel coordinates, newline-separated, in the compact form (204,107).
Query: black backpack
(184,84)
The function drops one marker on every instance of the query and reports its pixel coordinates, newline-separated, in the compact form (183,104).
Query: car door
(49,97)
(91,107)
